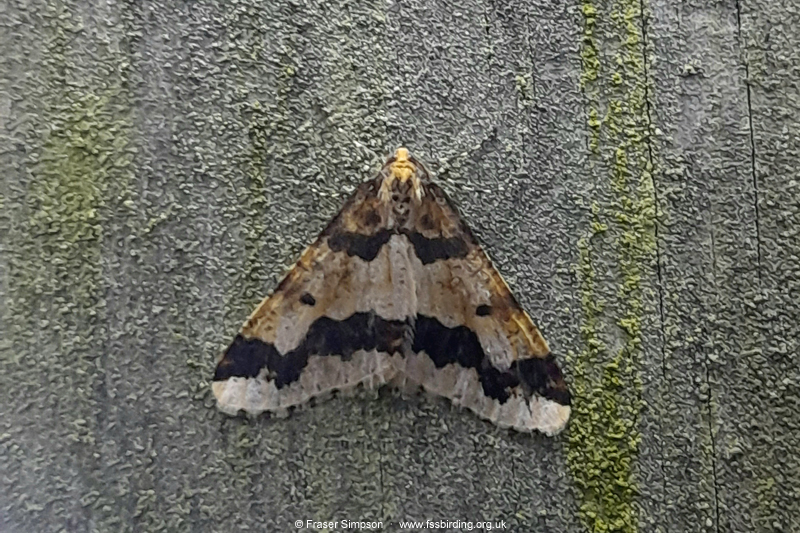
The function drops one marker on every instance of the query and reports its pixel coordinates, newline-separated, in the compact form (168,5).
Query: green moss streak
(604,439)
(78,164)
(766,490)
(59,273)
(591,63)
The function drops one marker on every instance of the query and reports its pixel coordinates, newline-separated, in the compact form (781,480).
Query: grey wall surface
(632,168)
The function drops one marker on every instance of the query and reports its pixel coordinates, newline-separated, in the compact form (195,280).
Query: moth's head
(402,173)
(401,167)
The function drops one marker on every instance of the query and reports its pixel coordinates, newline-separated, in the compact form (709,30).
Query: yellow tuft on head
(401,169)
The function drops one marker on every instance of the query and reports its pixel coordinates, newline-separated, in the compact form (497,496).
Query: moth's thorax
(401,178)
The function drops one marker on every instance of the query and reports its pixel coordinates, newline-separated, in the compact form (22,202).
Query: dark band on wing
(364,246)
(368,331)
(245,358)
(326,336)
(427,249)
(544,377)
(460,345)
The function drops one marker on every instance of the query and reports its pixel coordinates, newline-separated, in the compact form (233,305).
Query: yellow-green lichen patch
(77,163)
(524,86)
(591,64)
(766,490)
(604,437)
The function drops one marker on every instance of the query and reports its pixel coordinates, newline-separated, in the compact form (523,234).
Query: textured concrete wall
(631,166)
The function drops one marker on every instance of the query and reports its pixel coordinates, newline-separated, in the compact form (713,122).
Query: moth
(396,289)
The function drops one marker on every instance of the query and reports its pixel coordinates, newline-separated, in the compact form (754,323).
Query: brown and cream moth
(396,289)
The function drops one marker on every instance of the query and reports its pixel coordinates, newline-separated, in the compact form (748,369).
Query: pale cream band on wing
(323,375)
(396,285)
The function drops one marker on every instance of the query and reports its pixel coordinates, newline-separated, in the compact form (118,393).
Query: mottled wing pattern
(396,287)
(473,342)
(332,323)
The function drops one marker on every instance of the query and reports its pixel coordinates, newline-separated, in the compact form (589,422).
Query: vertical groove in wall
(752,133)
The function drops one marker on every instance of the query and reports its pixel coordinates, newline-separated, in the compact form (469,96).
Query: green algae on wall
(77,164)
(604,437)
